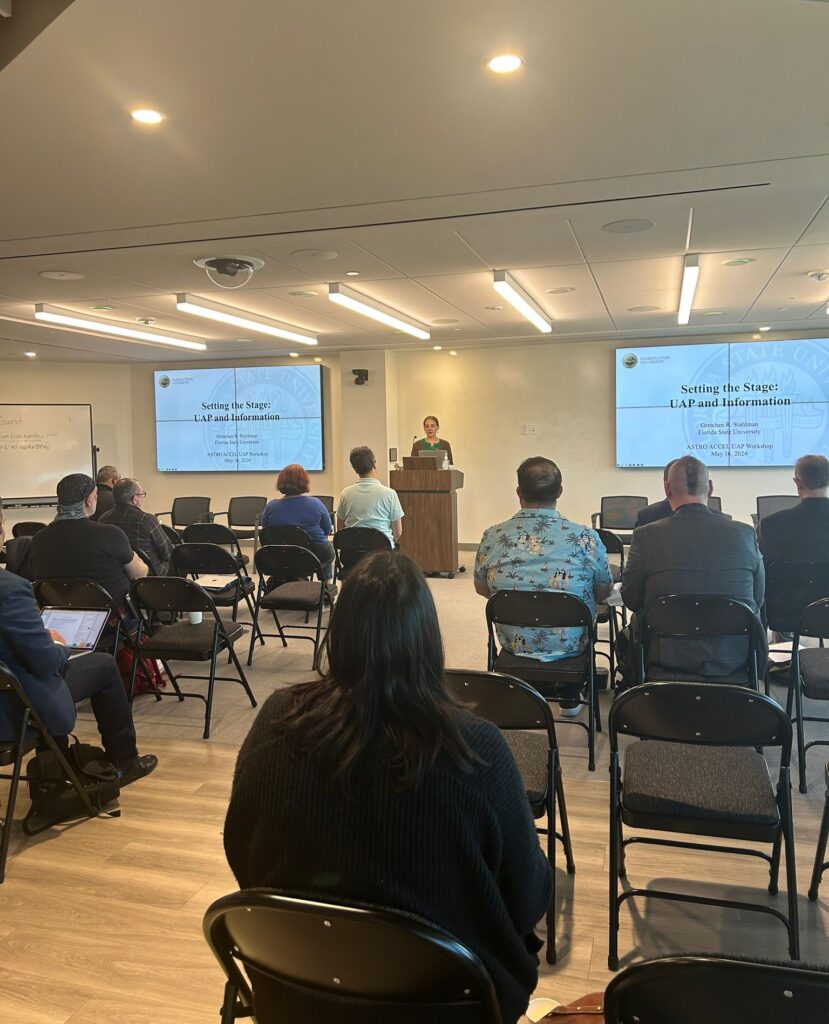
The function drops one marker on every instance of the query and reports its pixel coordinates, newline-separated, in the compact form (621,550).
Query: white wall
(370,410)
(482,396)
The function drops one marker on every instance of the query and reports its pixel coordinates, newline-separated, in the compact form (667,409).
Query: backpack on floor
(54,798)
(148,678)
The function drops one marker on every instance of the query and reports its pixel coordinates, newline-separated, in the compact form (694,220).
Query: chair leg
(591,712)
(774,869)
(801,741)
(279,628)
(820,852)
(613,901)
(173,681)
(15,782)
(622,856)
(211,683)
(791,871)
(565,824)
(229,1004)
(253,633)
(550,916)
(243,679)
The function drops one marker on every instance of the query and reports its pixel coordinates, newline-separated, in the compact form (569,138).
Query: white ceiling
(373,130)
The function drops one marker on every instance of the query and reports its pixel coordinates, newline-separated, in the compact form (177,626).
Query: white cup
(195,618)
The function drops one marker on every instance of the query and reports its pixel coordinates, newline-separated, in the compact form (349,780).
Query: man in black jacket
(658,509)
(105,480)
(801,534)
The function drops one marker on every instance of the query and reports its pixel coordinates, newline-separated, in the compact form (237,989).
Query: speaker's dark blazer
(696,551)
(29,651)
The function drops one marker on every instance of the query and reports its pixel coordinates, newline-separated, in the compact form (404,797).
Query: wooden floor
(100,923)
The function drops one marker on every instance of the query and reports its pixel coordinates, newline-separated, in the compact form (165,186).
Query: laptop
(81,628)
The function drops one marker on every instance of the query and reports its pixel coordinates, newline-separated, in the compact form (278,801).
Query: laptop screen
(81,628)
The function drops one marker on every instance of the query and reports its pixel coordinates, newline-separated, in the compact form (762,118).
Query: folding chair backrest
(27,529)
(210,533)
(544,609)
(767,504)
(244,511)
(503,700)
(171,594)
(790,588)
(286,562)
(73,593)
(815,620)
(377,956)
(618,511)
(698,615)
(715,503)
(356,542)
(613,544)
(294,535)
(203,558)
(190,510)
(328,501)
(702,714)
(173,535)
(692,989)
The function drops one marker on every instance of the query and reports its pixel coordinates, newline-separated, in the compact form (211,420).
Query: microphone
(414,440)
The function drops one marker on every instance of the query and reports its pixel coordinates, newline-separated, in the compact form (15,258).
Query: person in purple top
(299,508)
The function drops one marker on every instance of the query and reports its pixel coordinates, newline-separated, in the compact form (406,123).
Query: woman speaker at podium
(431,442)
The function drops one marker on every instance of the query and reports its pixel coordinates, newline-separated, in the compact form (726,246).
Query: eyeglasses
(140,494)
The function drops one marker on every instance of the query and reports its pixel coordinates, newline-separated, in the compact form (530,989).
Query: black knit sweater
(459,850)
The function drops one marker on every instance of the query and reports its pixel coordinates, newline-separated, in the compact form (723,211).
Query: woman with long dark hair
(373,785)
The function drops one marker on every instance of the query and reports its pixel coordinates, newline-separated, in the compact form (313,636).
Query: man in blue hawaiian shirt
(538,549)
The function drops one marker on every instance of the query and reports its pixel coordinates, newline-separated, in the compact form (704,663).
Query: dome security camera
(360,376)
(230,271)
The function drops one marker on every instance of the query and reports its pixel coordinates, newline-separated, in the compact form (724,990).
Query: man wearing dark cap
(73,545)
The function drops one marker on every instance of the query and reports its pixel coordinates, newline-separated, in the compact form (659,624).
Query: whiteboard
(39,444)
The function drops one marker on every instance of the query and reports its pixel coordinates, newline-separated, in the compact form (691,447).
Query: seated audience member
(538,549)
(371,785)
(142,529)
(299,508)
(695,551)
(368,502)
(801,533)
(75,546)
(105,480)
(53,683)
(658,509)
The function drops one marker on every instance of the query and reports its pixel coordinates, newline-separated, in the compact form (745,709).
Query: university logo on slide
(164,382)
(629,361)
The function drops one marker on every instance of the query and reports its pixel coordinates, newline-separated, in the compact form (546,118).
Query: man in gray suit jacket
(695,551)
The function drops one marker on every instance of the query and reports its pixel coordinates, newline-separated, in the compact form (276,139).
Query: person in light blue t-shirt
(368,502)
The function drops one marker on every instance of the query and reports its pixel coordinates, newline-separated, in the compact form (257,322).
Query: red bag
(148,678)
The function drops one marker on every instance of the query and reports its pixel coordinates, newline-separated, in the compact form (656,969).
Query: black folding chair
(716,990)
(546,610)
(715,503)
(809,676)
(215,533)
(294,535)
(526,721)
(200,559)
(243,515)
(12,753)
(367,957)
(301,593)
(354,543)
(692,617)
(186,511)
(618,513)
(768,504)
(820,851)
(606,613)
(698,774)
(184,640)
(328,501)
(27,529)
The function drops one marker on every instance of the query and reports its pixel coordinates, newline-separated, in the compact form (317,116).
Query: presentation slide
(244,419)
(729,404)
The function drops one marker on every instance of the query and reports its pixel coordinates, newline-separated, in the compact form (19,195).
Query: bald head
(688,482)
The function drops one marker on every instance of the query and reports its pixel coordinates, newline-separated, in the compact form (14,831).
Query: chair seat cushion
(299,595)
(723,784)
(530,750)
(814,671)
(550,678)
(187,641)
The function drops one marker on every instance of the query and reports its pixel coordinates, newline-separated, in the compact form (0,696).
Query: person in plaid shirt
(143,530)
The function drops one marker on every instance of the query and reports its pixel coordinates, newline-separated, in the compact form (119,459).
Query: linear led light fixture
(56,317)
(359,303)
(508,288)
(237,318)
(690,276)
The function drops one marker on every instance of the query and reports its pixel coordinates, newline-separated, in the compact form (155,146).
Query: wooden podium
(430,526)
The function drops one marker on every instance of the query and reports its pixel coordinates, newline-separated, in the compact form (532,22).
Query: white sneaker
(570,712)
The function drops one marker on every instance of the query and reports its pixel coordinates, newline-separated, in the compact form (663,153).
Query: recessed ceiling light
(304,295)
(643,309)
(61,275)
(352,273)
(452,352)
(317,359)
(294,355)
(764,328)
(782,309)
(713,312)
(738,261)
(755,337)
(437,348)
(245,341)
(145,116)
(315,255)
(628,227)
(457,330)
(445,321)
(819,275)
(493,308)
(30,355)
(560,291)
(505,63)
(102,309)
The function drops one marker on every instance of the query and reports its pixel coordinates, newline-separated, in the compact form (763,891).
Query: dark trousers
(96,676)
